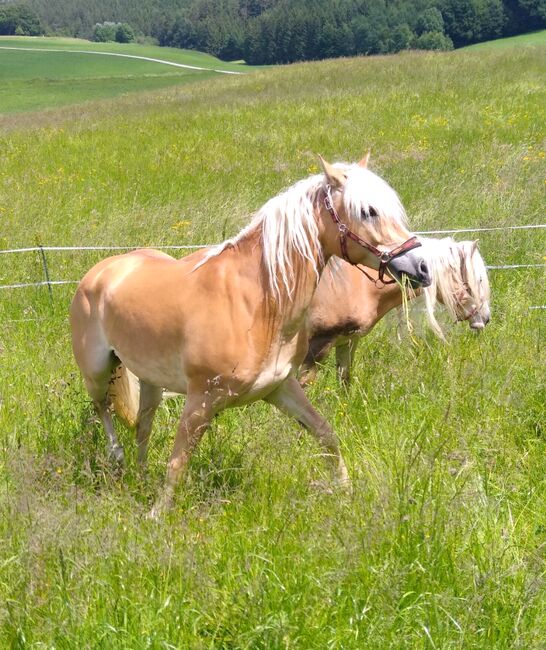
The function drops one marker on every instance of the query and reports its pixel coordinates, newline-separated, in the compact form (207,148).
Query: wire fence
(33,249)
(49,283)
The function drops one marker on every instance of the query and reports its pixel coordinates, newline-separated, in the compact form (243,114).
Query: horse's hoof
(117,455)
(322,487)
(161,506)
(333,487)
(142,472)
(344,485)
(154,514)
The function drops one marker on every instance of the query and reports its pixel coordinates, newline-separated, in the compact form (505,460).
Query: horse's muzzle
(423,276)
(413,267)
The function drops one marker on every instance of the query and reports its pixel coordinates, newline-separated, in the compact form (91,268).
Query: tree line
(284,31)
(19,20)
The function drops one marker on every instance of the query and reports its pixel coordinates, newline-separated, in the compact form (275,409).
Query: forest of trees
(284,31)
(19,20)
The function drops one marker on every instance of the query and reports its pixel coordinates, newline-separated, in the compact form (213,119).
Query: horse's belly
(157,371)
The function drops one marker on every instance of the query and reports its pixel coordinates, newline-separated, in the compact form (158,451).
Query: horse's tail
(124,393)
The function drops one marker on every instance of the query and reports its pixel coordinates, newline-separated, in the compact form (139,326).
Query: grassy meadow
(442,544)
(34,79)
(522,40)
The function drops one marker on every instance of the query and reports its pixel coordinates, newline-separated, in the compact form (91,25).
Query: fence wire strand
(32,249)
(49,283)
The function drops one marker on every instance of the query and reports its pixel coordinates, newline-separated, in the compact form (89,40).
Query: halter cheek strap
(384,257)
(471,312)
(464,276)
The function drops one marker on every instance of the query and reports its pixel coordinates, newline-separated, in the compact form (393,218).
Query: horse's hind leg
(150,398)
(97,383)
(113,447)
(97,378)
(97,363)
(196,417)
(290,398)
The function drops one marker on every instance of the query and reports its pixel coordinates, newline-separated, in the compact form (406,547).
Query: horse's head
(473,297)
(459,281)
(365,223)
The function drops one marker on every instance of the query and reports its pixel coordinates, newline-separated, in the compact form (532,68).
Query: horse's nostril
(424,274)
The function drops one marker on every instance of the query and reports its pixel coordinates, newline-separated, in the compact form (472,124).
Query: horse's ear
(474,246)
(364,162)
(335,177)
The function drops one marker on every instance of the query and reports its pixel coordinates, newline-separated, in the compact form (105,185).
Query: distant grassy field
(534,38)
(442,543)
(33,79)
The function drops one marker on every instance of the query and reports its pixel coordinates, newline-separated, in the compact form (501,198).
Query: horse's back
(164,317)
(113,269)
(108,279)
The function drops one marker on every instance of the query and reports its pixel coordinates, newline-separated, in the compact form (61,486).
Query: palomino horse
(226,326)
(348,303)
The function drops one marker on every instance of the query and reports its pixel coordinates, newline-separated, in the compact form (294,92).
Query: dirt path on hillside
(125,56)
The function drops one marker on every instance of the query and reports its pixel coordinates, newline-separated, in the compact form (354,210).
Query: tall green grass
(442,543)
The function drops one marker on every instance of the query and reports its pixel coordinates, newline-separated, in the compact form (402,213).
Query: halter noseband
(384,257)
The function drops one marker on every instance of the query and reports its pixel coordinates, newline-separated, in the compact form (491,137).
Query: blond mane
(288,227)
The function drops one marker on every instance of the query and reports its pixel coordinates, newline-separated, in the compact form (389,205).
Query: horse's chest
(277,366)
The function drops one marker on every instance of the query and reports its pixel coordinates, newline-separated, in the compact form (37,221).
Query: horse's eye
(371,212)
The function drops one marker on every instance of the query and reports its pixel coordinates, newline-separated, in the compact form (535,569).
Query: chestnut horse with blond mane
(348,303)
(226,326)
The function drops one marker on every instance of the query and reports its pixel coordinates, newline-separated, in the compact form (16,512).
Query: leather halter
(471,312)
(384,257)
(464,276)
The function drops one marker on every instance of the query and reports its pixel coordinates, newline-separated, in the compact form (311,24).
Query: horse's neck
(287,310)
(389,297)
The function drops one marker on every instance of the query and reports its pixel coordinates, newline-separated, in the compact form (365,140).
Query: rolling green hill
(524,40)
(441,545)
(40,73)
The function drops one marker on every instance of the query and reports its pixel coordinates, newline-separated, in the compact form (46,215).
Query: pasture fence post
(46,271)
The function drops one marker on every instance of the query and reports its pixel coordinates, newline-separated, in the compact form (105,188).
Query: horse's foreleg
(150,398)
(195,419)
(319,347)
(344,360)
(290,398)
